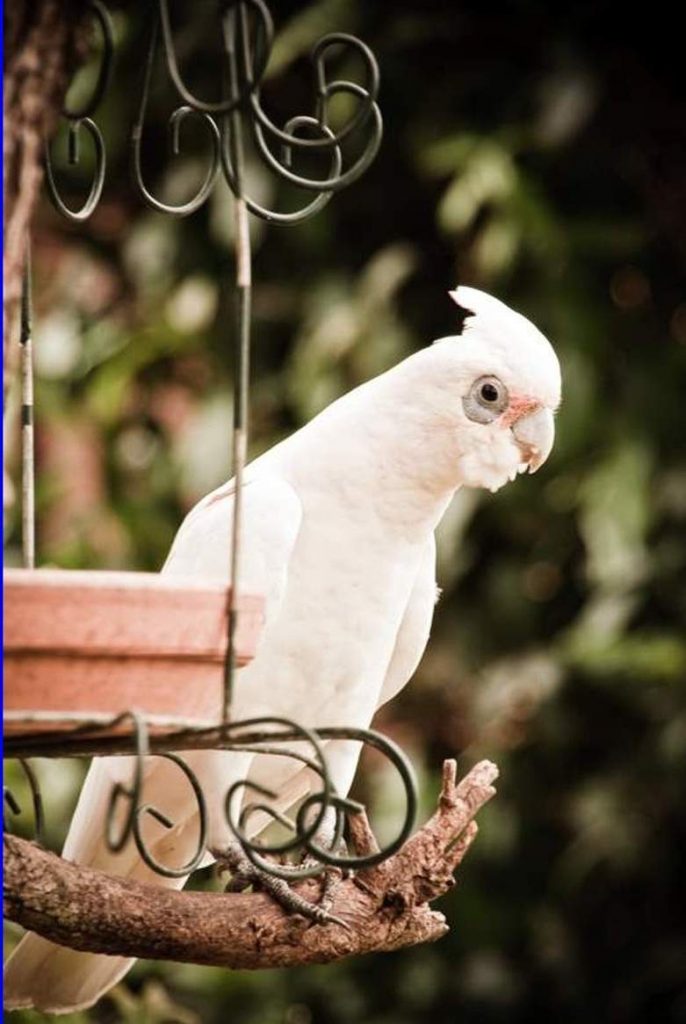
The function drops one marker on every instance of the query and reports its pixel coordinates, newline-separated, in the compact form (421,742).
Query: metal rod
(28,482)
(242,354)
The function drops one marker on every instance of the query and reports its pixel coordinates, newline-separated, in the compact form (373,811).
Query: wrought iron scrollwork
(245,70)
(175,122)
(132,795)
(247,34)
(81,117)
(12,805)
(129,734)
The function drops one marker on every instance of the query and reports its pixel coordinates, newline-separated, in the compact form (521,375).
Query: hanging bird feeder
(112,663)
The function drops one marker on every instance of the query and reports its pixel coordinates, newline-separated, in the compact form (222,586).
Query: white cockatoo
(338,535)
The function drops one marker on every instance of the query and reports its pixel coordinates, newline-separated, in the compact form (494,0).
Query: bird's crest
(462,312)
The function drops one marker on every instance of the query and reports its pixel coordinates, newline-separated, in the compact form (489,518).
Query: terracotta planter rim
(84,646)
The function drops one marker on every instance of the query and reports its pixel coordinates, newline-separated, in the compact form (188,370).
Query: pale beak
(535,434)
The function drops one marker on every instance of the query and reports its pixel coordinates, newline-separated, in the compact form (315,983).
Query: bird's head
(507,377)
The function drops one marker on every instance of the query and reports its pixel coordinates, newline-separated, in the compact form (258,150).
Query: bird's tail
(55,979)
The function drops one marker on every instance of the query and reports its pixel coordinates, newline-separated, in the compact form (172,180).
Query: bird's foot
(244,873)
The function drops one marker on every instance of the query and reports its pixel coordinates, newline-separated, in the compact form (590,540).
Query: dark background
(536,151)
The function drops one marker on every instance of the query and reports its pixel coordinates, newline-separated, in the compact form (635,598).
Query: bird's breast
(324,657)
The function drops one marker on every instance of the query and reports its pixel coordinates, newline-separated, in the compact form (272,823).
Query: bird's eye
(486,400)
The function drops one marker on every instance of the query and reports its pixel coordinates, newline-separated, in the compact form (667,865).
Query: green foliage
(535,153)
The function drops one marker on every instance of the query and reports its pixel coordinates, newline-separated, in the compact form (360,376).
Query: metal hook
(402,764)
(324,800)
(98,178)
(293,731)
(36,801)
(194,862)
(274,216)
(133,794)
(80,117)
(264,36)
(336,180)
(367,93)
(175,122)
(130,793)
(242,75)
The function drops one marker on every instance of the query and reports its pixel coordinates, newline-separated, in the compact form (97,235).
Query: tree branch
(385,907)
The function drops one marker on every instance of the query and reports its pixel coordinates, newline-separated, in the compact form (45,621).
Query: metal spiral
(129,733)
(246,64)
(132,795)
(247,34)
(175,122)
(81,117)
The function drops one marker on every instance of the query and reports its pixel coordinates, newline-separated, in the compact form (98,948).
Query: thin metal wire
(264,36)
(131,793)
(28,482)
(175,122)
(201,848)
(239,451)
(294,730)
(93,198)
(12,804)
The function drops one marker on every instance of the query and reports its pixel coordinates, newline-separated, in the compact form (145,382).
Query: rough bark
(43,44)
(385,907)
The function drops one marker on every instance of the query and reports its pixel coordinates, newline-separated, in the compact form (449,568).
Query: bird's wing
(413,634)
(271,519)
(51,977)
(271,516)
(415,626)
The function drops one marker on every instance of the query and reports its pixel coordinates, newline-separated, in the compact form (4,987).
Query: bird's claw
(244,873)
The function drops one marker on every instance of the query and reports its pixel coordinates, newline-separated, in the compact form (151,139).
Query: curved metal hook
(274,216)
(133,794)
(404,768)
(292,872)
(130,793)
(264,35)
(194,862)
(326,140)
(81,116)
(98,178)
(294,731)
(324,800)
(253,851)
(175,122)
(367,93)
(336,181)
(11,802)
(102,16)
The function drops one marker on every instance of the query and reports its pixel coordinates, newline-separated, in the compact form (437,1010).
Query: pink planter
(81,643)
